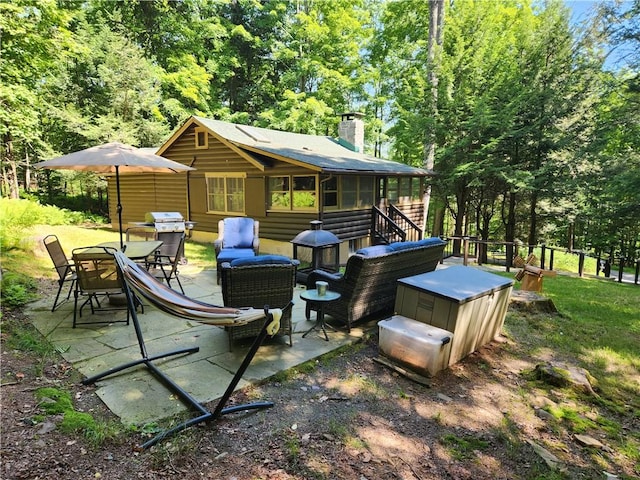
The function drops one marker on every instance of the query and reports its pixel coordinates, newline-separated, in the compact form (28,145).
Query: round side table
(319,301)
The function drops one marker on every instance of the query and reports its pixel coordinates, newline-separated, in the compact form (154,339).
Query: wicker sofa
(368,285)
(256,282)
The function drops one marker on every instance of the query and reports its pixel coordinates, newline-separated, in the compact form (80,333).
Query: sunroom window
(348,191)
(293,192)
(403,189)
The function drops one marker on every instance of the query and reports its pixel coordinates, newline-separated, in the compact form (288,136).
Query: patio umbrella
(114,158)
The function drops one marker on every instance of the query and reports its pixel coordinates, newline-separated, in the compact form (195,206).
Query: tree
(34,39)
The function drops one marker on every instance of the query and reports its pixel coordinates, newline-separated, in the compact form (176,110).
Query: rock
(46,427)
(588,441)
(540,401)
(544,415)
(550,459)
(564,375)
(444,398)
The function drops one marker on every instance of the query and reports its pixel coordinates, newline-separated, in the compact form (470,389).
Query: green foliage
(533,137)
(26,339)
(462,448)
(54,401)
(17,216)
(17,289)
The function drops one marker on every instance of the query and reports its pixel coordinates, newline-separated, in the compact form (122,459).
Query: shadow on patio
(135,395)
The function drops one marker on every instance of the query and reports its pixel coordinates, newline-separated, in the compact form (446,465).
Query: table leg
(319,323)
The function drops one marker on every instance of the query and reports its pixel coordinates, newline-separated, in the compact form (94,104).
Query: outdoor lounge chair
(256,281)
(137,281)
(237,238)
(65,268)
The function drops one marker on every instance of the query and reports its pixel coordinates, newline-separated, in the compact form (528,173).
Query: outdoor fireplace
(316,249)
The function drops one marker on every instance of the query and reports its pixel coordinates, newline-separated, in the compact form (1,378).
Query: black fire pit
(316,249)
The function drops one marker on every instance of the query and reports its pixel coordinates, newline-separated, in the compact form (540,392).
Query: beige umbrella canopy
(114,158)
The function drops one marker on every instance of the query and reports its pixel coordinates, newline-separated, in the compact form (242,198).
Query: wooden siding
(415,211)
(284,226)
(147,192)
(170,192)
(281,226)
(348,224)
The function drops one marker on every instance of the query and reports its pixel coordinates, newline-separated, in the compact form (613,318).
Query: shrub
(17,289)
(16,216)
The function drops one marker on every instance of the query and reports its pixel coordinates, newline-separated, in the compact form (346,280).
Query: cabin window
(347,192)
(202,138)
(225,193)
(365,193)
(404,189)
(293,192)
(330,199)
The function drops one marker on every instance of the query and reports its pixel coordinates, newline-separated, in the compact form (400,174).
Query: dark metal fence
(495,253)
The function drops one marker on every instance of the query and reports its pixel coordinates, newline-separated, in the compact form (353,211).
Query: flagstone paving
(135,395)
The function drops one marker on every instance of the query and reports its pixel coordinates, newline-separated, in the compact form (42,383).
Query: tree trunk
(11,174)
(436,21)
(570,236)
(461,199)
(27,172)
(533,222)
(510,228)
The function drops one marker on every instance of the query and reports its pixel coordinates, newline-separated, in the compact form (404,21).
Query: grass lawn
(598,326)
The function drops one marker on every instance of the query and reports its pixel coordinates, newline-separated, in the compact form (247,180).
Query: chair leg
(290,333)
(179,283)
(55,302)
(75,307)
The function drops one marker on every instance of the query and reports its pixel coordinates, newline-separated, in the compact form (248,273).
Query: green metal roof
(315,150)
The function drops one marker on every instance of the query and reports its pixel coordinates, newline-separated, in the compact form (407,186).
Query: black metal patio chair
(64,267)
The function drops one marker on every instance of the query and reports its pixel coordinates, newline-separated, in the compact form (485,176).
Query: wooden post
(621,270)
(465,241)
(551,259)
(543,254)
(581,263)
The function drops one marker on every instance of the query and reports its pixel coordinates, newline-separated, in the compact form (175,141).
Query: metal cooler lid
(459,284)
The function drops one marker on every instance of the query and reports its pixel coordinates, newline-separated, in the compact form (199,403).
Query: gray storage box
(423,348)
(466,301)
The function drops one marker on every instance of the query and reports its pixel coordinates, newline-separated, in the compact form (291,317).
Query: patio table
(135,250)
(318,301)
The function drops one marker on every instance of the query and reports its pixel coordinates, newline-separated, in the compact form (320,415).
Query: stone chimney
(351,131)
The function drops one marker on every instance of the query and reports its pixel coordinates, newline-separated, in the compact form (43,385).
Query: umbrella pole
(119,208)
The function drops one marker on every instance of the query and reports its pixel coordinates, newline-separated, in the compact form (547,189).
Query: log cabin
(284,180)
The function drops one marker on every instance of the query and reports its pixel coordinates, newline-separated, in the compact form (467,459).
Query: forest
(528,116)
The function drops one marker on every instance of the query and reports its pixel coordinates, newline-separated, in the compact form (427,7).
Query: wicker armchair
(368,285)
(237,238)
(256,282)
